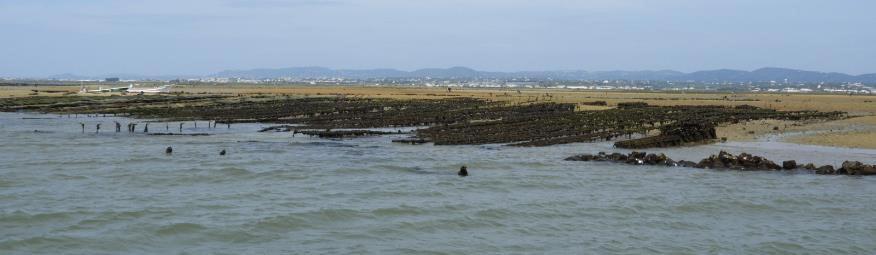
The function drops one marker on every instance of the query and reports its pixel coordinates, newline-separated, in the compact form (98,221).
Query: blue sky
(95,37)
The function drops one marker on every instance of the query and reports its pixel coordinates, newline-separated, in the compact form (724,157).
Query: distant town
(765,80)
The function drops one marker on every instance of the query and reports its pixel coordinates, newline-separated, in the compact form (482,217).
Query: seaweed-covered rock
(673,135)
(722,160)
(826,169)
(726,161)
(857,168)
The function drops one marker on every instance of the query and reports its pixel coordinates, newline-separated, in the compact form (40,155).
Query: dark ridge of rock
(744,161)
(447,121)
(595,103)
(180,134)
(634,158)
(343,133)
(673,135)
(726,161)
(280,128)
(628,105)
(827,169)
(858,168)
(412,140)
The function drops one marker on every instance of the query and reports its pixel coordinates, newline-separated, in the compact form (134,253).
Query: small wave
(494,213)
(142,159)
(353,170)
(6,184)
(179,228)
(234,171)
(40,242)
(330,215)
(459,223)
(104,218)
(254,141)
(69,177)
(326,144)
(414,170)
(776,247)
(23,218)
(402,210)
(282,174)
(793,201)
(295,221)
(284,223)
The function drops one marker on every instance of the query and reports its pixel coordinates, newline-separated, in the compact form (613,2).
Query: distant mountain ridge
(721,75)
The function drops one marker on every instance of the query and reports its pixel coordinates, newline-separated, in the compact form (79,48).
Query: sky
(199,37)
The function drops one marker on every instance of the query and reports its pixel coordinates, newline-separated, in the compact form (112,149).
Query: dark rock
(857,168)
(723,161)
(618,157)
(582,157)
(789,165)
(827,169)
(685,163)
(629,105)
(411,140)
(673,135)
(463,171)
(638,155)
(342,133)
(650,159)
(726,158)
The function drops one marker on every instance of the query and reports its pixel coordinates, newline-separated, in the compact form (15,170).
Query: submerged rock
(857,168)
(825,170)
(744,161)
(343,133)
(463,171)
(790,164)
(726,161)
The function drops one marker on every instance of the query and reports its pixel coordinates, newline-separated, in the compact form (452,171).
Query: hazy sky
(94,37)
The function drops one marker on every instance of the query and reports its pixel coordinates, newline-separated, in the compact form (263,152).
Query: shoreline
(858,131)
(855,132)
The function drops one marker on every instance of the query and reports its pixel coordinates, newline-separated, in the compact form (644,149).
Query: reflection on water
(64,191)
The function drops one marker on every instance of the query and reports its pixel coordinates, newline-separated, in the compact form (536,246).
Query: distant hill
(721,75)
(322,72)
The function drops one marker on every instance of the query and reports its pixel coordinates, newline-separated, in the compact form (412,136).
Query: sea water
(64,191)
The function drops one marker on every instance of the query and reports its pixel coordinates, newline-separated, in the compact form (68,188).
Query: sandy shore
(853,133)
(856,132)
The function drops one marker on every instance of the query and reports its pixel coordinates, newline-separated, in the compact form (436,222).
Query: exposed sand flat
(861,139)
(750,131)
(855,105)
(856,132)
